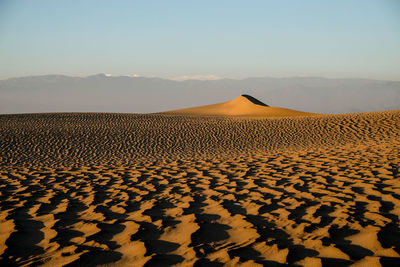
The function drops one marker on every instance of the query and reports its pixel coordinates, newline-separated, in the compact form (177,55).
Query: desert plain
(232,184)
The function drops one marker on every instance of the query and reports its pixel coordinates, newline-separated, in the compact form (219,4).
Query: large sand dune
(243,105)
(166,189)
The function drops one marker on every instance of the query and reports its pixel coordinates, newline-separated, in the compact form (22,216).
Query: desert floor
(131,190)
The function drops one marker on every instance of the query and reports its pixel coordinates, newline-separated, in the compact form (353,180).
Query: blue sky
(226,38)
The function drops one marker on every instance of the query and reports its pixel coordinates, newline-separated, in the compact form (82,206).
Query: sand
(200,189)
(243,106)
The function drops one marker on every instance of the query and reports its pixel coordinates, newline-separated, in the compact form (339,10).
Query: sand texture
(184,189)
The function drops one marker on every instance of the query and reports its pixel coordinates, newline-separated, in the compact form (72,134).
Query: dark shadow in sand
(254,100)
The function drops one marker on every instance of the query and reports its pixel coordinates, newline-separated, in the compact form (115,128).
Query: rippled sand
(131,190)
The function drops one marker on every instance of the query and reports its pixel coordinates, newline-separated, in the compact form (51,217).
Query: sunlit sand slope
(244,105)
(133,190)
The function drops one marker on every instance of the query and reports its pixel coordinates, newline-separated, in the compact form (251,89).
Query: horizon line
(200,78)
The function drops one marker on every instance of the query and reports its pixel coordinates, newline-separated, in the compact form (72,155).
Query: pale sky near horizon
(226,38)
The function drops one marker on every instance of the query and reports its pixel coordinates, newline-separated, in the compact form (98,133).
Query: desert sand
(231,184)
(243,106)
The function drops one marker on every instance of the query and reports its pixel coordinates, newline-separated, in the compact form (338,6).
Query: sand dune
(243,105)
(161,189)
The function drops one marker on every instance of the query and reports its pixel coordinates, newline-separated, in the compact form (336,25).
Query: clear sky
(228,38)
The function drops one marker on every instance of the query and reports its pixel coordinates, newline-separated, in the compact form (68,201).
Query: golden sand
(184,188)
(241,106)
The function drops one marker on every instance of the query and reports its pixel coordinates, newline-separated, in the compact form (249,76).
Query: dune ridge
(165,189)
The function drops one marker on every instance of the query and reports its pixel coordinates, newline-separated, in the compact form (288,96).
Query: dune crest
(244,105)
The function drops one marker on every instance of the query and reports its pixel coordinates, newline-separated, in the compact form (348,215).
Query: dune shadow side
(254,100)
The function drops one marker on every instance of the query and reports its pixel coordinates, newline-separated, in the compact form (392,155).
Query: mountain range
(104,93)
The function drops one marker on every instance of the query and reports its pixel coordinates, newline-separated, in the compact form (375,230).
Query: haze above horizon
(175,39)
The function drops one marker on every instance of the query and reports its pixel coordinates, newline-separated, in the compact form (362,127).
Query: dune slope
(159,189)
(243,105)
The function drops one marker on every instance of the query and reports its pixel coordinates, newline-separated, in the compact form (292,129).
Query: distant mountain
(102,93)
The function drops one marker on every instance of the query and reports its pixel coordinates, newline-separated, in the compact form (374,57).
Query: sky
(217,38)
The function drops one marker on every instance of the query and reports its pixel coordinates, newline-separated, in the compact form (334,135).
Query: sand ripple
(88,189)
